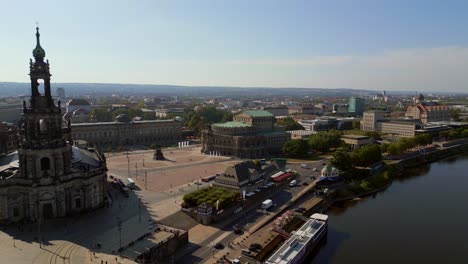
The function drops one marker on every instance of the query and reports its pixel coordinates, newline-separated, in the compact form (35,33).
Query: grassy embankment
(366,186)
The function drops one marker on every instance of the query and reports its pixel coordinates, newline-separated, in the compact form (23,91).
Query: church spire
(38,52)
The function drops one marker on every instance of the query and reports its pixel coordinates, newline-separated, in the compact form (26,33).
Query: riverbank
(400,219)
(382,180)
(365,187)
(439,154)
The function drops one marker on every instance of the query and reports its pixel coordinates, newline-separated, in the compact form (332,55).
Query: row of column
(215,153)
(184,144)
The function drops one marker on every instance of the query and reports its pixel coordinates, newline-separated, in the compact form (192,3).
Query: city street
(205,252)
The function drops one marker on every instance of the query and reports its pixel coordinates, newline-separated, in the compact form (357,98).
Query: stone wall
(164,248)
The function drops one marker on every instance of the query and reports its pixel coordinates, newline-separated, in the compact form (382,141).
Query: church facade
(47,177)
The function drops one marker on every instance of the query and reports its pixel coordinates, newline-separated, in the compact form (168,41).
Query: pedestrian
(102,261)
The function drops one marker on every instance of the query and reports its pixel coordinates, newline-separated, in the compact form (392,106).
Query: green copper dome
(38,52)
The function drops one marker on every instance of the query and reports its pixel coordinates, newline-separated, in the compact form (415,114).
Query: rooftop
(258,113)
(231,124)
(355,137)
(78,102)
(299,239)
(117,123)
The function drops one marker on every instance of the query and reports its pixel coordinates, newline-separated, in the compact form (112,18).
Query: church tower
(44,138)
(51,178)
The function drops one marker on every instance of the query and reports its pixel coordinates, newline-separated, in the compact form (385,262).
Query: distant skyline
(377,45)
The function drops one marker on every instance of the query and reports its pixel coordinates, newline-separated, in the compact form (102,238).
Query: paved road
(166,168)
(226,236)
(68,240)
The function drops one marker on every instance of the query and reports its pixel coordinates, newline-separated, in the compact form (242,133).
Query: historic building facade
(78,111)
(124,132)
(8,138)
(251,134)
(48,178)
(428,112)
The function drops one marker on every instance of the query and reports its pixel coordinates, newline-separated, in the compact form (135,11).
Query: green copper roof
(328,168)
(258,113)
(231,124)
(38,52)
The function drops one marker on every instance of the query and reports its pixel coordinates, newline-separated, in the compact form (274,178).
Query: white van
(130,183)
(304,166)
(292,183)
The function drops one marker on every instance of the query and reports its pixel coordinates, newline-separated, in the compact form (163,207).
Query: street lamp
(136,170)
(146,181)
(128,161)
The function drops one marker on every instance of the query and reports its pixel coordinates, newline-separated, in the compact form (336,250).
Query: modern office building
(356,105)
(376,121)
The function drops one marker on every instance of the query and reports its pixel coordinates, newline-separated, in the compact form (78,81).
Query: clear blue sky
(391,45)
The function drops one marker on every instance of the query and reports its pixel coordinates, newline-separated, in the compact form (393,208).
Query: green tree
(342,160)
(393,149)
(455,114)
(198,120)
(324,141)
(100,115)
(367,155)
(141,104)
(130,112)
(374,135)
(356,124)
(453,134)
(148,116)
(257,163)
(384,147)
(295,148)
(289,124)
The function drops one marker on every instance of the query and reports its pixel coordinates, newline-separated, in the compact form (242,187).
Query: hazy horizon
(389,45)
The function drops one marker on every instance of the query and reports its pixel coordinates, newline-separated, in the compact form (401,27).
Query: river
(421,218)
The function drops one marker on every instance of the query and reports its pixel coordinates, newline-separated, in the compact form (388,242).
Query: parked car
(300,210)
(305,183)
(255,247)
(247,252)
(219,246)
(292,183)
(238,230)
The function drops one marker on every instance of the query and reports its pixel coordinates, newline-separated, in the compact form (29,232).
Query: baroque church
(48,177)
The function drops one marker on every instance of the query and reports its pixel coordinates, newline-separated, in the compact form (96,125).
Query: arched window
(43,125)
(77,203)
(45,164)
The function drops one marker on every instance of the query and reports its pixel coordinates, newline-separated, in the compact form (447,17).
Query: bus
(209,178)
(130,183)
